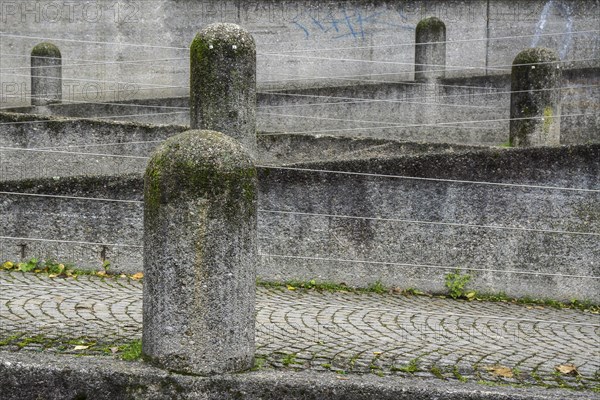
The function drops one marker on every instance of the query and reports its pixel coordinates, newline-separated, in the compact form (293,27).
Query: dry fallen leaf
(81,347)
(567,369)
(499,370)
(290,287)
(114,349)
(137,276)
(101,273)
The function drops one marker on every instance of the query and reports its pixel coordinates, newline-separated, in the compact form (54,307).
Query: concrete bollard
(535,98)
(223,83)
(430,50)
(200,252)
(46,74)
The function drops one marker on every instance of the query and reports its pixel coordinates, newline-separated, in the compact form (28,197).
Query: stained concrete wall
(445,113)
(403,232)
(119,50)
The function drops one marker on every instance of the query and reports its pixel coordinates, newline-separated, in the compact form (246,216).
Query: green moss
(45,49)
(431,24)
(548,119)
(202,164)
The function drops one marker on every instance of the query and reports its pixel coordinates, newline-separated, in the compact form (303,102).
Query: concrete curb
(48,376)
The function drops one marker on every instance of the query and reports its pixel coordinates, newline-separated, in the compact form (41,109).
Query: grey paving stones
(337,331)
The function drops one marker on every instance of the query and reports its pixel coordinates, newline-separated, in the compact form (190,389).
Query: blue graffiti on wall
(344,23)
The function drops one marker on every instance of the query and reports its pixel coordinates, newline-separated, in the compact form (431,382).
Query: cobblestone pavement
(345,332)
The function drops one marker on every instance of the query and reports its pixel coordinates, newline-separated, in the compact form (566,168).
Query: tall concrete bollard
(223,83)
(200,252)
(46,74)
(430,50)
(535,98)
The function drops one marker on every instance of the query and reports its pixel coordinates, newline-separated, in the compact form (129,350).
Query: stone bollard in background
(430,50)
(200,252)
(46,74)
(535,98)
(223,83)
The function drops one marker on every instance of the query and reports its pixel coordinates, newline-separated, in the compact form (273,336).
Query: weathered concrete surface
(473,110)
(46,74)
(200,254)
(536,80)
(430,49)
(223,83)
(310,330)
(27,376)
(297,41)
(359,229)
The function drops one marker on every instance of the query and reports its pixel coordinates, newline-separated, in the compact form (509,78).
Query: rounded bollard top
(200,164)
(535,55)
(432,24)
(45,49)
(227,37)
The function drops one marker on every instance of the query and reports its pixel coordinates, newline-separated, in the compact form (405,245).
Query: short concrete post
(430,50)
(535,98)
(223,83)
(46,74)
(200,252)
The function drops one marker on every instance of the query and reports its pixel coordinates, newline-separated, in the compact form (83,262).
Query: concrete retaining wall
(145,43)
(407,232)
(445,113)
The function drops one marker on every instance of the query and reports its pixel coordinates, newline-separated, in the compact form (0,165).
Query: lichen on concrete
(535,98)
(200,254)
(223,82)
(45,49)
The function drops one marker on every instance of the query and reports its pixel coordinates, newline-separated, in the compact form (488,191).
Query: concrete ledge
(38,375)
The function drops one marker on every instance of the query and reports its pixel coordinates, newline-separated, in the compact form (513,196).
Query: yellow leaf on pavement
(567,369)
(137,276)
(499,370)
(290,287)
(81,347)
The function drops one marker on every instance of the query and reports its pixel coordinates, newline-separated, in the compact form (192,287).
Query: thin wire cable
(112,117)
(70,241)
(5,34)
(432,125)
(8,34)
(154,85)
(55,196)
(368,100)
(340,172)
(409,221)
(445,67)
(388,124)
(438,42)
(93,63)
(71,153)
(98,145)
(427,266)
(101,103)
(516,185)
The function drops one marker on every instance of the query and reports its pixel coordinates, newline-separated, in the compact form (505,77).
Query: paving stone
(350,332)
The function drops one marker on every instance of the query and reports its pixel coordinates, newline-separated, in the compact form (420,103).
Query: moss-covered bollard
(430,50)
(200,251)
(223,83)
(535,98)
(46,74)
